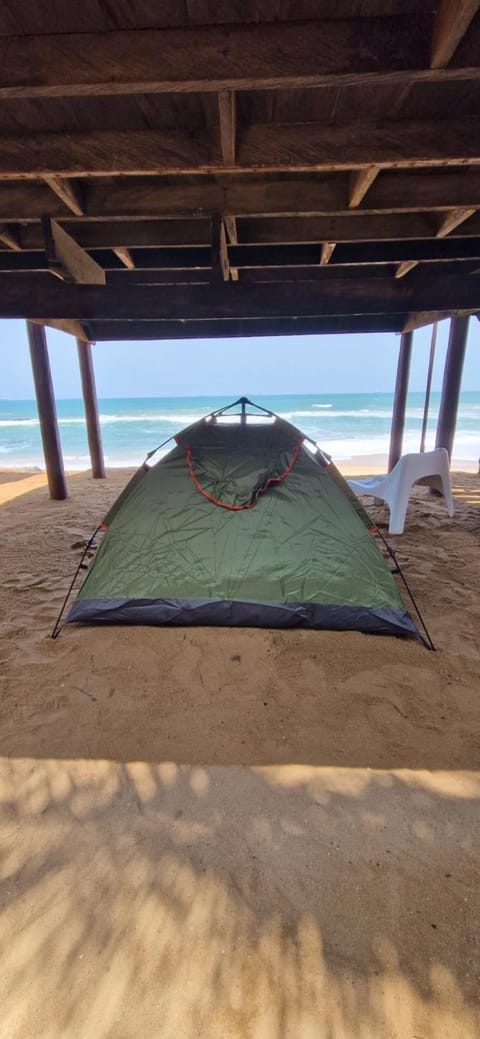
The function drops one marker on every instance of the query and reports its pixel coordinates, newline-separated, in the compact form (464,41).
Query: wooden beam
(72,327)
(360,182)
(400,399)
(405,267)
(172,330)
(219,252)
(452,381)
(267,147)
(67,259)
(429,318)
(94,436)
(326,252)
(232,236)
(451,23)
(46,411)
(69,193)
(396,191)
(125,256)
(213,57)
(228,126)
(452,220)
(47,298)
(10,237)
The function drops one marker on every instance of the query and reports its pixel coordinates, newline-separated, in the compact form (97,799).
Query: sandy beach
(237,833)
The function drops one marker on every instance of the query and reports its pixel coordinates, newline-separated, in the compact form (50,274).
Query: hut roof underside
(190,168)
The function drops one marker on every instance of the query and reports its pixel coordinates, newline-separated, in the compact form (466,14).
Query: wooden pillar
(400,399)
(46,410)
(452,379)
(91,410)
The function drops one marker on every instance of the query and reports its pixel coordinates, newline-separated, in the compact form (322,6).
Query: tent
(244,522)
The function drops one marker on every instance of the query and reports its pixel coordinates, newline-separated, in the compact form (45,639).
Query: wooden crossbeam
(228,126)
(219,253)
(451,23)
(452,220)
(269,147)
(67,259)
(360,182)
(125,256)
(215,57)
(165,330)
(326,252)
(429,317)
(69,193)
(72,327)
(46,298)
(154,197)
(10,237)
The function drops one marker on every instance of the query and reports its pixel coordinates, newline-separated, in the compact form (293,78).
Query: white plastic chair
(430,468)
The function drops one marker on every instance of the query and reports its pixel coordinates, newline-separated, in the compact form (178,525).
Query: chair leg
(398,512)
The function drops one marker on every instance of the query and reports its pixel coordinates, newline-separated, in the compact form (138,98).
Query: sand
(245,834)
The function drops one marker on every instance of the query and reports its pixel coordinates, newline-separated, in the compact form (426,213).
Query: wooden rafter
(452,21)
(219,252)
(269,147)
(67,259)
(216,57)
(452,220)
(360,182)
(228,127)
(10,237)
(69,193)
(326,252)
(125,256)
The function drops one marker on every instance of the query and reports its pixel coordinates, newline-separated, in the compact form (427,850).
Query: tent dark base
(223,613)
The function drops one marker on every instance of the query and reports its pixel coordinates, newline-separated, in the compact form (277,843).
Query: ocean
(347,426)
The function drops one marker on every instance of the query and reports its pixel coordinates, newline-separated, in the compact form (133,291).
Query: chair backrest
(424,463)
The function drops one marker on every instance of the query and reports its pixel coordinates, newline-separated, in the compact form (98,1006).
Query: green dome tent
(245,523)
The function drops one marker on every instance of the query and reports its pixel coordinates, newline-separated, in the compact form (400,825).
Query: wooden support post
(91,410)
(452,378)
(46,411)
(400,401)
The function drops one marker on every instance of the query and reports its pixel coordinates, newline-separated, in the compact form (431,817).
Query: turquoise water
(345,425)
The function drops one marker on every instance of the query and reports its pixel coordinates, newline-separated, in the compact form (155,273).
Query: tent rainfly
(242,523)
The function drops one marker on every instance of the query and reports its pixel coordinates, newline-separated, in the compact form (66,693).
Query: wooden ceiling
(183,168)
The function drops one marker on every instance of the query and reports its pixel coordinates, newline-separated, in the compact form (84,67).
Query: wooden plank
(154,197)
(48,298)
(125,256)
(264,147)
(232,237)
(360,182)
(218,251)
(451,23)
(172,330)
(214,57)
(452,220)
(68,191)
(405,267)
(10,237)
(420,320)
(72,327)
(228,126)
(326,252)
(67,259)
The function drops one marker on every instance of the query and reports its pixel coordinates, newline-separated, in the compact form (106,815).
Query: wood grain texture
(451,23)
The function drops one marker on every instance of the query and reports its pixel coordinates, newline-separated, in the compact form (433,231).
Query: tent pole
(91,409)
(400,399)
(428,386)
(452,379)
(46,410)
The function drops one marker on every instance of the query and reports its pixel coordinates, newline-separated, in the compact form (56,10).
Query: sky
(274,365)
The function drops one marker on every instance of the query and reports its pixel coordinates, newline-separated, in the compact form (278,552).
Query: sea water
(347,426)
